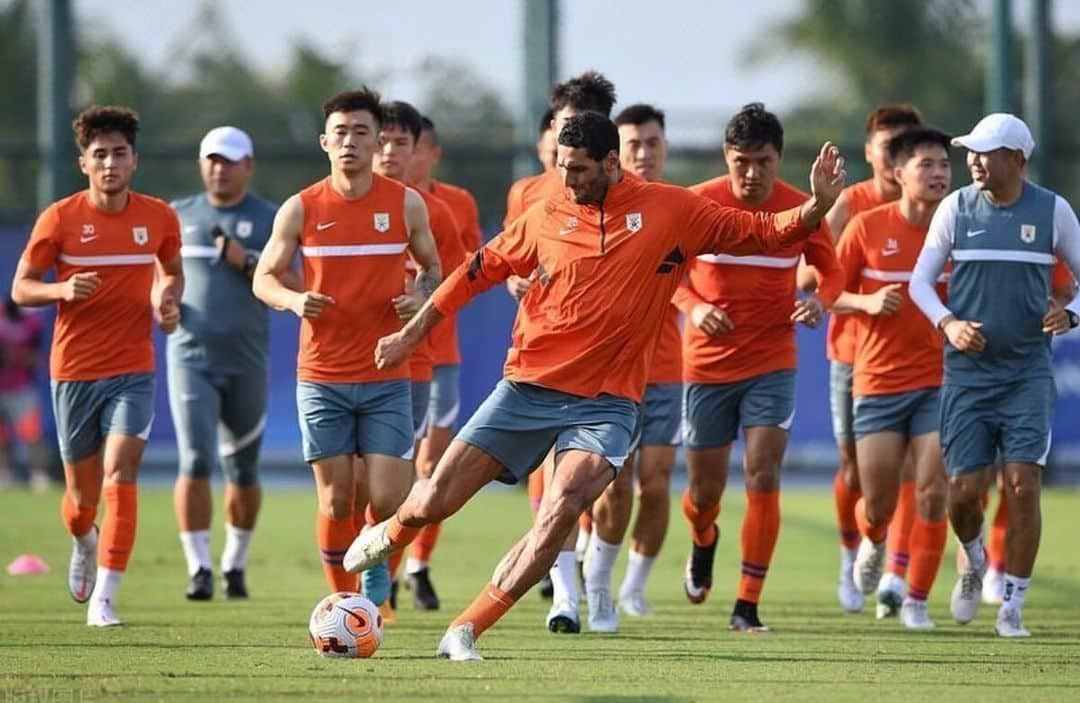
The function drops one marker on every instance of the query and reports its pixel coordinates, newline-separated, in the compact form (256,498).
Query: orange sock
(584,523)
(760,529)
(118,527)
(334,538)
(489,606)
(845,498)
(874,534)
(394,562)
(927,547)
(995,548)
(426,541)
(899,547)
(536,490)
(78,519)
(702,522)
(400,535)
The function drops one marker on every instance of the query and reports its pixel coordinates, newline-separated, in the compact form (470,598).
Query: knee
(338,505)
(930,500)
(654,490)
(963,492)
(1024,487)
(762,478)
(879,512)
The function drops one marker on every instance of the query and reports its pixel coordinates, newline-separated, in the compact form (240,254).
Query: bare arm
(28,290)
(168,288)
(274,282)
(422,245)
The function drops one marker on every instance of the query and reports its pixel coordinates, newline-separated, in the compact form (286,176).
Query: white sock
(196,550)
(847,557)
(582,544)
(564,578)
(237,541)
(975,552)
(414,565)
(108,581)
(601,561)
(638,568)
(1016,590)
(88,541)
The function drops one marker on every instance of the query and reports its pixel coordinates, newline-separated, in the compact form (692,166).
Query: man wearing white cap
(1002,233)
(217,359)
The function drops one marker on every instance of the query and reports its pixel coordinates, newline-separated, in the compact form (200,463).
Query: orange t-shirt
(528,191)
(757,292)
(443,339)
(840,338)
(605,276)
(354,251)
(463,205)
(109,333)
(899,352)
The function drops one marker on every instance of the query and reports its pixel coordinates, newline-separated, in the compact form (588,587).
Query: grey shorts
(660,421)
(445,396)
(339,419)
(1013,418)
(421,398)
(87,411)
(841,403)
(519,422)
(911,413)
(713,412)
(218,416)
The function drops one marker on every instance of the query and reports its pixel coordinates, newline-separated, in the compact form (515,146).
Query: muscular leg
(388,481)
(707,471)
(611,511)
(192,503)
(880,456)
(1022,491)
(764,455)
(334,526)
(654,499)
(930,529)
(965,503)
(120,463)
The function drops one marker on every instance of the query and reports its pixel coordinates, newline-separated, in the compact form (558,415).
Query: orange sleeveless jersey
(605,278)
(463,205)
(757,292)
(447,234)
(840,338)
(444,338)
(109,333)
(355,252)
(899,352)
(530,190)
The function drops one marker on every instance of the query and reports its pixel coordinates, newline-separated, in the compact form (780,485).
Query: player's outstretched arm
(273,283)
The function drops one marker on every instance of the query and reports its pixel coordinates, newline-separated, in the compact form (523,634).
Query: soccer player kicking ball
(739,361)
(608,261)
(897,370)
(998,394)
(354,230)
(107,244)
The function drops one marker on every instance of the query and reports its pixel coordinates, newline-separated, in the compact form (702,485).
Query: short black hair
(639,114)
(753,127)
(592,131)
(545,122)
(589,91)
(399,113)
(904,145)
(426,125)
(891,116)
(354,101)
(105,119)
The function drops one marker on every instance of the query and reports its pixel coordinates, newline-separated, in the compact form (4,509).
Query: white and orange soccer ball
(346,625)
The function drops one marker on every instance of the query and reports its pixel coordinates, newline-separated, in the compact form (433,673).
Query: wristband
(1074,319)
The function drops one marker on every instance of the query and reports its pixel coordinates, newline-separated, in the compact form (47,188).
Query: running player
(998,395)
(354,230)
(589,305)
(218,360)
(108,244)
(882,125)
(21,338)
(739,361)
(401,130)
(642,152)
(897,371)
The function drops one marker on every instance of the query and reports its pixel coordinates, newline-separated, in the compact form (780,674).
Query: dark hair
(753,127)
(891,116)
(353,101)
(426,125)
(545,122)
(399,113)
(589,91)
(104,119)
(592,131)
(639,114)
(903,146)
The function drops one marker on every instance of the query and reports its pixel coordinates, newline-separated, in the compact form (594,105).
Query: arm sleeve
(821,254)
(935,252)
(717,229)
(44,246)
(1067,241)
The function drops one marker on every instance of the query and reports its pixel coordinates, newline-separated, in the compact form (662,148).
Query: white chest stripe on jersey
(108,260)
(1022,257)
(199,251)
(895,276)
(354,250)
(769,262)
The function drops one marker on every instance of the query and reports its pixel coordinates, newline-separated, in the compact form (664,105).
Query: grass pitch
(171,649)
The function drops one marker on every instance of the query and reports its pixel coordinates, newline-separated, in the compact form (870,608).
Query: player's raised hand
(310,304)
(964,335)
(885,300)
(1056,320)
(710,319)
(81,285)
(809,311)
(392,350)
(827,175)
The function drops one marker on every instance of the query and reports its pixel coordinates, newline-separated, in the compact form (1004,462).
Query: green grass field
(175,650)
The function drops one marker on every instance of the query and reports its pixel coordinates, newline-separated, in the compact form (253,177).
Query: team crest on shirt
(382,221)
(633,221)
(244,228)
(1027,234)
(140,234)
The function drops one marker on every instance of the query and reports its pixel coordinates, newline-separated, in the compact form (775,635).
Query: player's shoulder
(140,203)
(713,187)
(72,204)
(866,219)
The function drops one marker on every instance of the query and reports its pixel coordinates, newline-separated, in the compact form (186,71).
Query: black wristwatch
(1074,319)
(251,260)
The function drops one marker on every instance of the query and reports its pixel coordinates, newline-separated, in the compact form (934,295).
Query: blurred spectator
(21,337)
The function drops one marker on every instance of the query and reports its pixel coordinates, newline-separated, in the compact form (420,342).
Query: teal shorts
(445,396)
(840,402)
(660,424)
(1011,418)
(420,392)
(88,411)
(713,412)
(911,413)
(519,422)
(355,418)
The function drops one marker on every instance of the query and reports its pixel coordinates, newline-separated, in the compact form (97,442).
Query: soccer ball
(345,625)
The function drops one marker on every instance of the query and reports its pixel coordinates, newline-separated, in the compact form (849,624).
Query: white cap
(999,130)
(232,143)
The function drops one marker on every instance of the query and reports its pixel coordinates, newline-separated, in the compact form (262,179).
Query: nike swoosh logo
(91,238)
(320,226)
(889,252)
(975,232)
(566,230)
